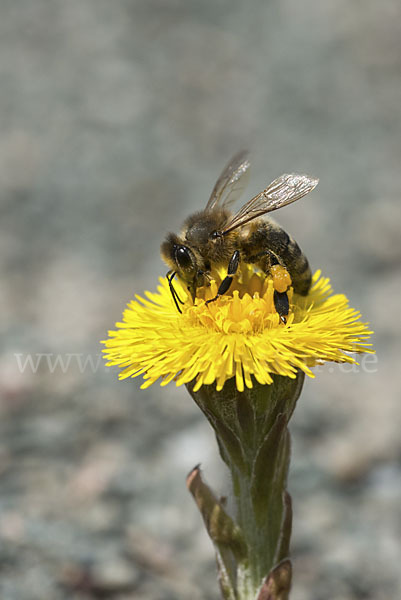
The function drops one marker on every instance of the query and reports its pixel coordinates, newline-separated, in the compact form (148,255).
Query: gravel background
(116,118)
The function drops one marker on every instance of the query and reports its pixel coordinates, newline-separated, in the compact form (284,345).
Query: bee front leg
(231,271)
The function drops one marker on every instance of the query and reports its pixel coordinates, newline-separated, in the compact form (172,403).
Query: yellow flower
(240,335)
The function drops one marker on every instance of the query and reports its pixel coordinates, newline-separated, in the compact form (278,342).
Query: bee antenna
(170,276)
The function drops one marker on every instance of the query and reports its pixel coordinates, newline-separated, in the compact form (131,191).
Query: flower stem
(254,442)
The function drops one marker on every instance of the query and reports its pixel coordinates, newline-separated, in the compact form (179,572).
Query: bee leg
(231,271)
(281,305)
(281,282)
(271,263)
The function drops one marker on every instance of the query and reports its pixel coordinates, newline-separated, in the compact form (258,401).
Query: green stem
(254,442)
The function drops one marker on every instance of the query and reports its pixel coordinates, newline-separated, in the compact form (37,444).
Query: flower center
(248,306)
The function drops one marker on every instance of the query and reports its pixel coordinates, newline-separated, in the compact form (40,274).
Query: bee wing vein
(282,191)
(231,182)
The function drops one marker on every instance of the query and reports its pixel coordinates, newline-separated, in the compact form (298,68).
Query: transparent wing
(231,182)
(282,191)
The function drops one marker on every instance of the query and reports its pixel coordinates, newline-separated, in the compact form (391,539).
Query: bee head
(180,257)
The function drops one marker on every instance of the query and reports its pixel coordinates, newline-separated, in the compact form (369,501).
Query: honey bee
(216,237)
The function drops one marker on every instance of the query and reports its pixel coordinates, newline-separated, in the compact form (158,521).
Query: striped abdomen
(266,235)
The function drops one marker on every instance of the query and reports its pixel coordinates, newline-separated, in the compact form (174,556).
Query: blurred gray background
(116,119)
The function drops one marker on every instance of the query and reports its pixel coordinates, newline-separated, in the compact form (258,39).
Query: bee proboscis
(216,237)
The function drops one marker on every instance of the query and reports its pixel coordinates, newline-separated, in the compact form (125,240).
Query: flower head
(239,335)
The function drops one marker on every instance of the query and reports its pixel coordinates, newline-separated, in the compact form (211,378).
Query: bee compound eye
(183,257)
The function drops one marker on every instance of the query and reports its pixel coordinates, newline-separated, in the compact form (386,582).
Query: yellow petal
(239,335)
